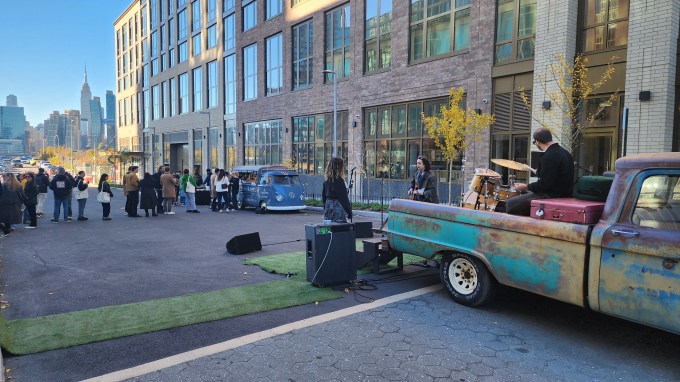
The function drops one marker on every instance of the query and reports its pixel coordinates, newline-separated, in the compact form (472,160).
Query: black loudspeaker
(241,244)
(331,253)
(645,95)
(363,229)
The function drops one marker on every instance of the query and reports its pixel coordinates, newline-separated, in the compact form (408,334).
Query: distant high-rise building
(85,98)
(54,129)
(72,131)
(110,120)
(12,101)
(96,126)
(12,119)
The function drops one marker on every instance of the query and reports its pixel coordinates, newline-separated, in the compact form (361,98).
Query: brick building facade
(220,83)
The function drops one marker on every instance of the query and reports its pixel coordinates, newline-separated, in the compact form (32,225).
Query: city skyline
(47,74)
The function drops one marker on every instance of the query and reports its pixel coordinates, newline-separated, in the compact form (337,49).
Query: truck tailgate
(543,257)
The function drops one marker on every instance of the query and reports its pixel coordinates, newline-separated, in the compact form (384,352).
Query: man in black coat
(555,175)
(43,182)
(159,188)
(61,186)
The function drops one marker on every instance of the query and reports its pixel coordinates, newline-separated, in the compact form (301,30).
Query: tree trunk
(450,178)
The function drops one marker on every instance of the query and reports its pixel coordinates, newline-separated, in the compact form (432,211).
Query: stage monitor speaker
(241,244)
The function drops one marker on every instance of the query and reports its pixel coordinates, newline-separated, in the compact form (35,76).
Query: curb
(370,214)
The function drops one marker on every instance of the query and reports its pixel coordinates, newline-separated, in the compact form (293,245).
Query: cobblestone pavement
(429,338)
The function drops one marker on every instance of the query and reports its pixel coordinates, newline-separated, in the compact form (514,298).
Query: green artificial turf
(32,335)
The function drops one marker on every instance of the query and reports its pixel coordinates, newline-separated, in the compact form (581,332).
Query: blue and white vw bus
(274,188)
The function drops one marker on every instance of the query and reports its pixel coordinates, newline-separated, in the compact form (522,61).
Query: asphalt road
(68,267)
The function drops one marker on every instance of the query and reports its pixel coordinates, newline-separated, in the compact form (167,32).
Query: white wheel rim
(463,276)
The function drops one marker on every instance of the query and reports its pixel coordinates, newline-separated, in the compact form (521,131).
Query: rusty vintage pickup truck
(626,265)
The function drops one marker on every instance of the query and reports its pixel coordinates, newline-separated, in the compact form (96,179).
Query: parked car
(275,188)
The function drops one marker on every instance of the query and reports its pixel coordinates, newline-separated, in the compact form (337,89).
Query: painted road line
(254,337)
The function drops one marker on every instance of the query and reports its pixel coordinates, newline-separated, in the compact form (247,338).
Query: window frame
(379,38)
(298,59)
(274,65)
(424,25)
(342,12)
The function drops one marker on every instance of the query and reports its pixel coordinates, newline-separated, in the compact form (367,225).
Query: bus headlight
(279,198)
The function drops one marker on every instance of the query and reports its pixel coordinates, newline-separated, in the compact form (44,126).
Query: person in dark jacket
(158,186)
(104,186)
(31,200)
(234,184)
(424,184)
(337,207)
(555,175)
(148,200)
(70,195)
(61,187)
(43,182)
(10,203)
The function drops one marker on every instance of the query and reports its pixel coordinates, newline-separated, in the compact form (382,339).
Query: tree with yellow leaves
(455,128)
(567,86)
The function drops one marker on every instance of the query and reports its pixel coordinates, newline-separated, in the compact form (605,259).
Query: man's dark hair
(41,170)
(542,135)
(426,162)
(186,170)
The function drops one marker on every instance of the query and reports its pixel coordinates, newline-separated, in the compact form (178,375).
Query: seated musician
(555,175)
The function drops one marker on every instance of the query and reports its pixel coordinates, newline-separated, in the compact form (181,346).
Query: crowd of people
(23,196)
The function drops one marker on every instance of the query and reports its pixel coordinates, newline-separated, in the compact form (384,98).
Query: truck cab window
(658,204)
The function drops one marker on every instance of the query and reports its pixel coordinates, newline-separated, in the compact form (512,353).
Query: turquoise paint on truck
(619,266)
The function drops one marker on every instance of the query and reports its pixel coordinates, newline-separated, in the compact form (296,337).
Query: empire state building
(85,98)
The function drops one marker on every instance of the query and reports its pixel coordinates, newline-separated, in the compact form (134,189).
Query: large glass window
(262,143)
(227,5)
(183,51)
(515,30)
(212,84)
(249,16)
(183,93)
(165,104)
(197,80)
(182,24)
(230,84)
(195,15)
(213,144)
(338,47)
(154,44)
(274,61)
(395,137)
(173,97)
(212,10)
(229,32)
(156,102)
(196,44)
(302,55)
(312,135)
(378,34)
(212,37)
(606,24)
(250,72)
(438,27)
(273,8)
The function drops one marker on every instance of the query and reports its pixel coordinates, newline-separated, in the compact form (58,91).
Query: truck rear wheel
(467,280)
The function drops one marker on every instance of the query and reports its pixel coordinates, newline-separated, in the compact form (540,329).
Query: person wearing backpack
(81,194)
(61,186)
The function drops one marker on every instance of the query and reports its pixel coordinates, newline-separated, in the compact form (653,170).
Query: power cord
(324,258)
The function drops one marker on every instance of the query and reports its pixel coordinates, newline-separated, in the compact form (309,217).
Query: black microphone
(353,168)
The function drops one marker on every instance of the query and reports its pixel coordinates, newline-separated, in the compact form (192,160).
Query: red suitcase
(568,210)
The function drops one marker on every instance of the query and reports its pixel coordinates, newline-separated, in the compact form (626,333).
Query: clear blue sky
(44,45)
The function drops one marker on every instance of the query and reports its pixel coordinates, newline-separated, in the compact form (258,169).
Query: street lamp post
(335,111)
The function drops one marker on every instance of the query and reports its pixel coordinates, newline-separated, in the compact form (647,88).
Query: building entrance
(179,156)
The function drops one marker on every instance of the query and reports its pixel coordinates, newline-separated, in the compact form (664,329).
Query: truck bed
(543,257)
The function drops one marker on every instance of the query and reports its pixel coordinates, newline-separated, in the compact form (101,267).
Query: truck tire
(467,280)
